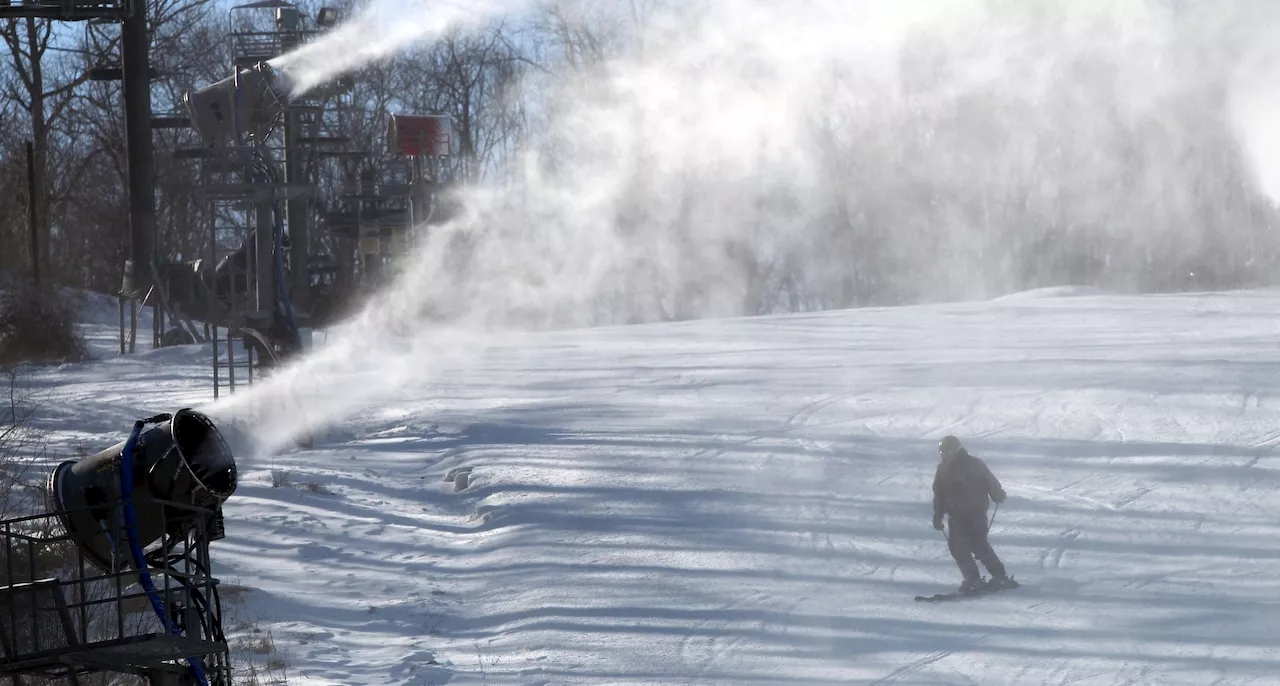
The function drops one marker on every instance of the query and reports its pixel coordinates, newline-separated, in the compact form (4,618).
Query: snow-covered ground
(747,501)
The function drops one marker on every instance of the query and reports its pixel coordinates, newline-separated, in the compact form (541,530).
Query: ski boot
(1001,581)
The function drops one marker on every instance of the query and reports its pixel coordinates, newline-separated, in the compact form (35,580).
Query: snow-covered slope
(747,501)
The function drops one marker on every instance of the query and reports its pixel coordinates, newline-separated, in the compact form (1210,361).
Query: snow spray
(731,157)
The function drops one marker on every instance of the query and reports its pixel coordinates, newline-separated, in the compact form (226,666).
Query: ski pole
(993,517)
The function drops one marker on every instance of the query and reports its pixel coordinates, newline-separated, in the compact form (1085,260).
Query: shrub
(37,325)
(20,445)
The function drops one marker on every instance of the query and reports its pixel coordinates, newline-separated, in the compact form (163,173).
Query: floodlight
(183,460)
(246,104)
(288,18)
(327,17)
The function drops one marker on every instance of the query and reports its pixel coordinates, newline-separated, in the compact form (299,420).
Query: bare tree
(20,444)
(472,77)
(41,88)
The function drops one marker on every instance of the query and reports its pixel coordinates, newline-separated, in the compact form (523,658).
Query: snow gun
(246,104)
(179,468)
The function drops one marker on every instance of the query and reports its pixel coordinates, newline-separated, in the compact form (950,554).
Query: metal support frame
(264,269)
(135,43)
(244,319)
(68,10)
(298,212)
(233,207)
(61,617)
(382,213)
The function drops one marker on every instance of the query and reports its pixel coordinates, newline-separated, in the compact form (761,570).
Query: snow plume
(380,29)
(728,157)
(1255,115)
(749,156)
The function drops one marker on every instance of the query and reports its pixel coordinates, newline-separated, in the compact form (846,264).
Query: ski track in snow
(747,501)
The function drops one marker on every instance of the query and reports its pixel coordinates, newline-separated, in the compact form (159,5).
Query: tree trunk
(40,137)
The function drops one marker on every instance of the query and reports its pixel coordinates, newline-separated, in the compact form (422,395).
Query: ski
(985,589)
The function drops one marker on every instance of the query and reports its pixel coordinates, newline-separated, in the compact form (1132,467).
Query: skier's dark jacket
(962,485)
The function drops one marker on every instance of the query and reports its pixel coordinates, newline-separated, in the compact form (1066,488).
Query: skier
(961,487)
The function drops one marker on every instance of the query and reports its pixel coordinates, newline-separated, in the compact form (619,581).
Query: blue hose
(139,560)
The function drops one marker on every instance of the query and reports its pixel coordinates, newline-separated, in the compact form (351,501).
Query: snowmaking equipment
(246,104)
(260,146)
(304,221)
(115,575)
(183,460)
(394,200)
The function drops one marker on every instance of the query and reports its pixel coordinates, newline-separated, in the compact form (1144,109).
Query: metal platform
(140,653)
(67,10)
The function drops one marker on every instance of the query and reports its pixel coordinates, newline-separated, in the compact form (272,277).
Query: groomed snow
(747,501)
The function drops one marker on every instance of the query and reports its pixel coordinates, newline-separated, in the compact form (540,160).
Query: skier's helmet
(949,446)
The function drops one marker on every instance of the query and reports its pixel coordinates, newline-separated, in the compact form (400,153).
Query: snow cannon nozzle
(246,104)
(183,470)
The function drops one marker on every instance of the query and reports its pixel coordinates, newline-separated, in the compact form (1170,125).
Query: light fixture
(327,17)
(287,18)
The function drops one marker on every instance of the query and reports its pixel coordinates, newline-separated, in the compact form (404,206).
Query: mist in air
(740,157)
(378,30)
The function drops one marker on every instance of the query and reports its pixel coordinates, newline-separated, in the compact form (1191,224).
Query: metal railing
(61,616)
(67,10)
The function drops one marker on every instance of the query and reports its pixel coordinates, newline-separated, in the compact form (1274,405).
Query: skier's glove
(937,522)
(998,496)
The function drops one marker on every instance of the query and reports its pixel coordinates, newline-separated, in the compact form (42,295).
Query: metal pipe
(136,72)
(298,209)
(8,571)
(264,264)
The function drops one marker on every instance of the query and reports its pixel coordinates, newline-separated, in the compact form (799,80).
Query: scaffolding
(67,10)
(264,280)
(388,201)
(254,189)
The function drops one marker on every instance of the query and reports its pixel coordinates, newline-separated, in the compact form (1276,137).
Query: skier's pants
(967,540)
